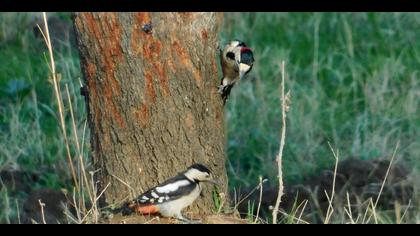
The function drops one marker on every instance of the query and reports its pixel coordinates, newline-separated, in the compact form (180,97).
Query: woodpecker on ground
(169,198)
(237,61)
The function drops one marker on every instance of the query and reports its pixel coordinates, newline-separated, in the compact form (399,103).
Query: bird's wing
(167,191)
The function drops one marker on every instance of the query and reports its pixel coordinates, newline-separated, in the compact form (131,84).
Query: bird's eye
(230,55)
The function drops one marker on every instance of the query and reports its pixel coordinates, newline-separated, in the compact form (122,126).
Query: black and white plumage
(237,61)
(172,196)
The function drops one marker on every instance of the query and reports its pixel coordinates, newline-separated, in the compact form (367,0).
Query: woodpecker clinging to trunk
(169,198)
(237,60)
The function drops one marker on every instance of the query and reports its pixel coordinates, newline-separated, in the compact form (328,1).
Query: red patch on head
(245,49)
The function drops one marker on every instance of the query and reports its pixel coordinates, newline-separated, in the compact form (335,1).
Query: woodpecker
(237,61)
(172,196)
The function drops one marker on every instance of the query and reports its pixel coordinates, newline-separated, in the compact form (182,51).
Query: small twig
(405,211)
(151,220)
(42,211)
(397,210)
(373,210)
(76,138)
(386,174)
(260,199)
(349,215)
(58,97)
(95,189)
(76,208)
(284,108)
(18,211)
(123,182)
(249,194)
(301,212)
(94,208)
(293,217)
(366,211)
(330,209)
(348,211)
(42,33)
(383,184)
(357,218)
(70,217)
(235,195)
(83,136)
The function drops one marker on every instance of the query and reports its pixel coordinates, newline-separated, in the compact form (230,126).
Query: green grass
(353,79)
(354,83)
(30,138)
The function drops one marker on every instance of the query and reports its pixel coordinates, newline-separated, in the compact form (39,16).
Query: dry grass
(42,205)
(82,184)
(330,209)
(285,100)
(371,208)
(259,200)
(58,96)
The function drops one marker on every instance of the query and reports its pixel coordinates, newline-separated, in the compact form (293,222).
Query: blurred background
(354,84)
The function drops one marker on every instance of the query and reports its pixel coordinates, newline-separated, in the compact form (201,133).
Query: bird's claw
(220,89)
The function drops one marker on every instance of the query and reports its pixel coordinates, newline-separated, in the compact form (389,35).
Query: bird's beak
(243,68)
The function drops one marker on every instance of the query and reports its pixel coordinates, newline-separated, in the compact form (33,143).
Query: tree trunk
(153,106)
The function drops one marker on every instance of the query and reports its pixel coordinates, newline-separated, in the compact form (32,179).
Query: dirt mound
(15,180)
(53,209)
(361,179)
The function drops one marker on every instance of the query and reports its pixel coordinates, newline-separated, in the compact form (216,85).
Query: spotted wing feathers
(148,202)
(170,190)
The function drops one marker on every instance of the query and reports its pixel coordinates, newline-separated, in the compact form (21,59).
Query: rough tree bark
(153,106)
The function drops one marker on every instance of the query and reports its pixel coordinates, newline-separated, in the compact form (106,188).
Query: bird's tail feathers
(135,207)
